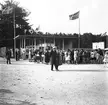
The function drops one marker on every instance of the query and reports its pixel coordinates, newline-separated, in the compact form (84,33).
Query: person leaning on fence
(8,56)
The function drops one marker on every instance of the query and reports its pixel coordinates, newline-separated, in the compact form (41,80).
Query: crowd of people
(70,56)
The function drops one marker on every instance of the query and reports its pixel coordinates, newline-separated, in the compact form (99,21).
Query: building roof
(44,36)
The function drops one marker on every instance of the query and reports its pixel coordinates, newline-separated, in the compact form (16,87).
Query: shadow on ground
(6,91)
(22,103)
(18,102)
(3,101)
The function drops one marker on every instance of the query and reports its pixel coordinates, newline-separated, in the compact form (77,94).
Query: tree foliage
(6,21)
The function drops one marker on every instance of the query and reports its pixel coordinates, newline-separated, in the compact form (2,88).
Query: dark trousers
(56,66)
(16,57)
(8,61)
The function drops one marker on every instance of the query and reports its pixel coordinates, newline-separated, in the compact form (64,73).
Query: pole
(54,40)
(14,31)
(41,43)
(63,44)
(79,33)
(106,41)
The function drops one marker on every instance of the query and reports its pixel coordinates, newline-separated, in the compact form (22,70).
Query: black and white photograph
(53,52)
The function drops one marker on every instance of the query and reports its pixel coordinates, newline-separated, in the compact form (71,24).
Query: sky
(53,15)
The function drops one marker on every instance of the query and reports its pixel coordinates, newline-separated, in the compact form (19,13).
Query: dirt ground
(28,83)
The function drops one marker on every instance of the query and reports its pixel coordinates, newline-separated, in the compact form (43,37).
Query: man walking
(8,56)
(16,51)
(54,59)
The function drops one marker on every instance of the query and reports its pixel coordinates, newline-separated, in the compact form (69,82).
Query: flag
(31,31)
(7,10)
(74,16)
(37,28)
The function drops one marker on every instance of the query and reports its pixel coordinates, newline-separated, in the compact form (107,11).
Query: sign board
(2,51)
(97,45)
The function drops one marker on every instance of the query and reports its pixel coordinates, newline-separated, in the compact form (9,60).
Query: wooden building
(62,42)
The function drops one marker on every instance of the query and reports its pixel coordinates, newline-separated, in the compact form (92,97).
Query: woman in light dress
(29,55)
(76,56)
(106,58)
(67,57)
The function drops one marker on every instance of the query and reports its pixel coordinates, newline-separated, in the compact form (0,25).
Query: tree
(7,19)
(86,40)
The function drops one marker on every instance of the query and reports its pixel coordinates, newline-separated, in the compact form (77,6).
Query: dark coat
(8,54)
(55,58)
(72,55)
(47,57)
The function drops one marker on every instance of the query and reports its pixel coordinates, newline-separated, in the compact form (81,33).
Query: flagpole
(73,17)
(14,31)
(79,33)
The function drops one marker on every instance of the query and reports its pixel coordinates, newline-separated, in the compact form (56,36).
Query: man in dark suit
(54,58)
(8,56)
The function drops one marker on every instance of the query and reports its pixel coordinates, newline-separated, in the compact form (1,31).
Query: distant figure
(76,56)
(37,57)
(72,57)
(11,52)
(18,54)
(105,60)
(16,51)
(8,56)
(29,55)
(81,56)
(101,57)
(67,58)
(47,57)
(63,56)
(92,57)
(43,57)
